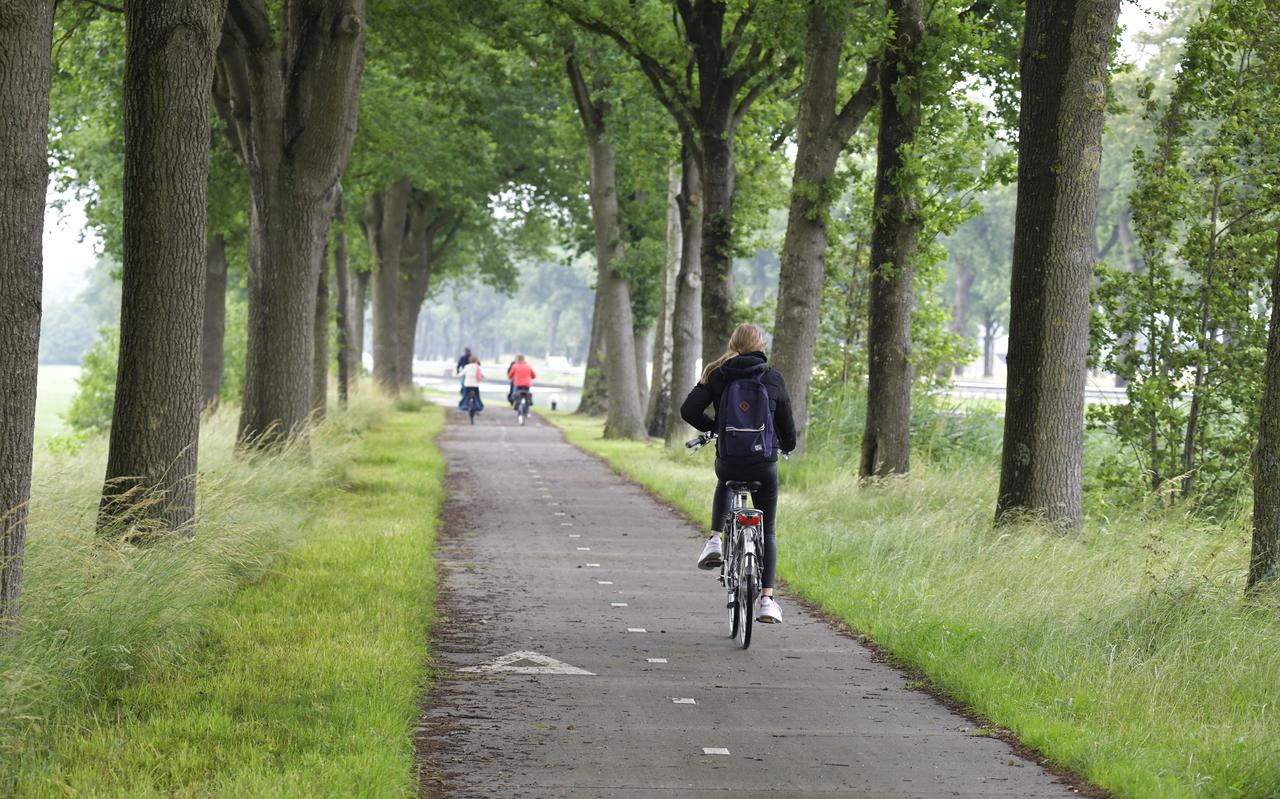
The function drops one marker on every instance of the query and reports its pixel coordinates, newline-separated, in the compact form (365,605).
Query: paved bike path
(544,550)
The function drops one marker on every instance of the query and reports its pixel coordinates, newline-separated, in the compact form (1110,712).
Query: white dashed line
(593,565)
(714,750)
(604,582)
(637,630)
(617,604)
(566,524)
(575,535)
(684,700)
(656,660)
(584,549)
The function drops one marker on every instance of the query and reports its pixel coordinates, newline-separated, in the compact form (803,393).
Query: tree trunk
(1065,54)
(989,350)
(553,330)
(656,415)
(428,221)
(320,353)
(641,352)
(386,232)
(155,427)
(686,318)
(26,32)
(823,131)
(1264,562)
(719,180)
(960,305)
(215,322)
(342,306)
(595,388)
(292,105)
(624,418)
(886,440)
(359,303)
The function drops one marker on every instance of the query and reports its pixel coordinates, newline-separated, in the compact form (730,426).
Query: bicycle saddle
(742,485)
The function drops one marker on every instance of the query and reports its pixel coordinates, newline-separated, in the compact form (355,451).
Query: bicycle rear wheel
(746,609)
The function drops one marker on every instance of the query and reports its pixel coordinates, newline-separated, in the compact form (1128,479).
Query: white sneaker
(711,556)
(767,611)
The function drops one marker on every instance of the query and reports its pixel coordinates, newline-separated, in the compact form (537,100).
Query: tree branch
(850,117)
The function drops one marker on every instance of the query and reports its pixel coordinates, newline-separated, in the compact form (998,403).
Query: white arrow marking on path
(528,663)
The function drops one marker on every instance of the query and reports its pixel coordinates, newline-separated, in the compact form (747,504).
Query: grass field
(55,386)
(1127,654)
(282,653)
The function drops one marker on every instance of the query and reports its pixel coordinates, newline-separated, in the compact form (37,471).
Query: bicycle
(471,404)
(523,400)
(740,571)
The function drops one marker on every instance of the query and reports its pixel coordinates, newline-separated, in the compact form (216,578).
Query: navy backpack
(743,421)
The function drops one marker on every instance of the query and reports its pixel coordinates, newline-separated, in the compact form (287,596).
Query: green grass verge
(295,671)
(55,387)
(1128,654)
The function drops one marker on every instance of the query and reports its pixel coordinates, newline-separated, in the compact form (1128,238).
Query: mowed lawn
(310,679)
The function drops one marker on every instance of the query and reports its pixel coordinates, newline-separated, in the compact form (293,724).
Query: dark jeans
(468,396)
(765,500)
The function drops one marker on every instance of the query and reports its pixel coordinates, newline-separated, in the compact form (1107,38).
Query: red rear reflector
(750,519)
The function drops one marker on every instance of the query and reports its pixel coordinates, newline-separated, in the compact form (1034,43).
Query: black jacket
(707,395)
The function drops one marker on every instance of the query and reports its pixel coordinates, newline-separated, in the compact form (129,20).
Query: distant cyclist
(748,444)
(472,377)
(521,375)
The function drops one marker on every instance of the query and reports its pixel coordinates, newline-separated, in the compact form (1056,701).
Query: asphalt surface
(549,558)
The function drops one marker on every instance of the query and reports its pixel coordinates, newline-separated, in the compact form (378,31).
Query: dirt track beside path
(601,664)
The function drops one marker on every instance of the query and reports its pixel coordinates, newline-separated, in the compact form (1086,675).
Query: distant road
(1094,393)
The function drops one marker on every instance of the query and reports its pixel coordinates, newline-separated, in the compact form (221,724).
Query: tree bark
(1264,561)
(686,319)
(719,182)
(624,418)
(641,352)
(26,33)
(432,231)
(1065,55)
(359,302)
(385,226)
(886,439)
(320,352)
(595,388)
(150,483)
(823,132)
(660,386)
(292,104)
(342,305)
(215,322)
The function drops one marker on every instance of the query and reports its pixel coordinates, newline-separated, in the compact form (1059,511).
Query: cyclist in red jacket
(521,375)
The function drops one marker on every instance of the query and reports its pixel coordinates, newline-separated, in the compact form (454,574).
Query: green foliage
(1188,331)
(91,409)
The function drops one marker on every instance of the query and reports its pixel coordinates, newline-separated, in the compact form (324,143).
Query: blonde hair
(745,338)
(474,359)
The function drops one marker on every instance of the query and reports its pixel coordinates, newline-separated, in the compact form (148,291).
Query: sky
(70,249)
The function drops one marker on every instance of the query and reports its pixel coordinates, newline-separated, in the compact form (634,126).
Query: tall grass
(1129,653)
(99,615)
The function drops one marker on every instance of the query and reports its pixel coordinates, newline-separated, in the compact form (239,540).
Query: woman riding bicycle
(472,377)
(521,375)
(744,360)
